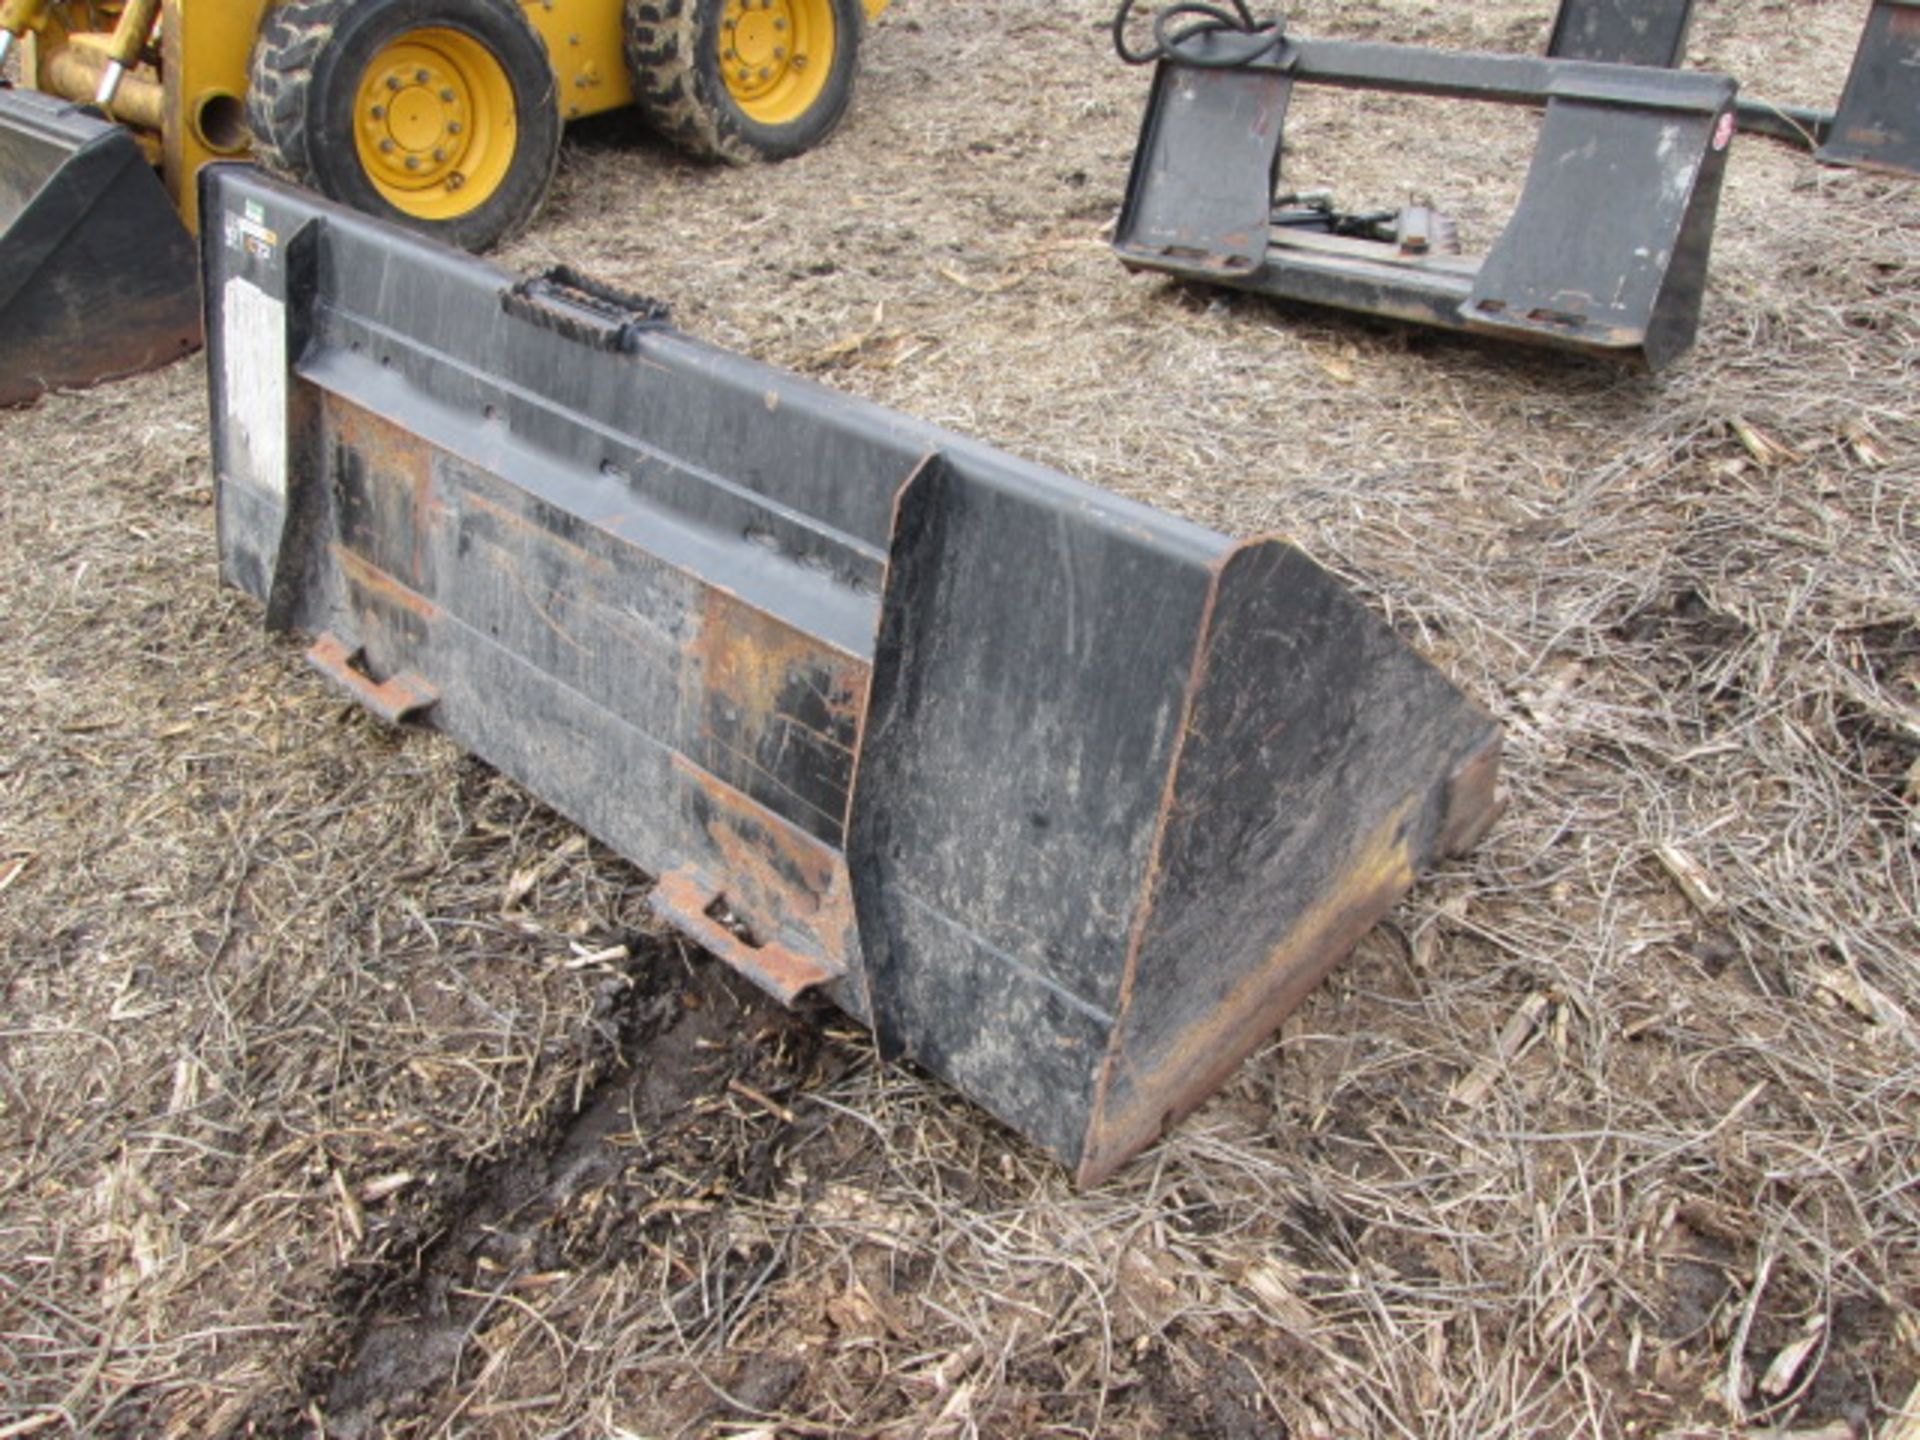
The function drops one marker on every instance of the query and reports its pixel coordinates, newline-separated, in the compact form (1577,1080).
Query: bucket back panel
(751,699)
(729,443)
(430,515)
(595,673)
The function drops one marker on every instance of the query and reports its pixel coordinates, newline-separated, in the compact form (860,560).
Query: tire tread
(673,91)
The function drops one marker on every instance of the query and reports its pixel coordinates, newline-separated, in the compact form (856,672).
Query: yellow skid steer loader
(441,114)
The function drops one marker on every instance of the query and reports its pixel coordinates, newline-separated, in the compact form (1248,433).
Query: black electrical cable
(1235,37)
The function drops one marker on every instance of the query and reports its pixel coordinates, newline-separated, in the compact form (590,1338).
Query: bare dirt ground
(345,1090)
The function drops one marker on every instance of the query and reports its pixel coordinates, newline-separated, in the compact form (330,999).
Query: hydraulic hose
(1212,37)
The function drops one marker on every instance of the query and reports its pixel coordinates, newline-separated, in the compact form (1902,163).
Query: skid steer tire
(744,80)
(440,114)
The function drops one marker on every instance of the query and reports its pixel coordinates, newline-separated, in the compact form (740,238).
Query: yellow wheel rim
(777,56)
(434,123)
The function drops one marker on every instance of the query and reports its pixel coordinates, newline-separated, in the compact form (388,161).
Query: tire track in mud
(646,1147)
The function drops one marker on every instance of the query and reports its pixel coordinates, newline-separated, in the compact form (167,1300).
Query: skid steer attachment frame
(1605,254)
(1069,800)
(1877,124)
(98,277)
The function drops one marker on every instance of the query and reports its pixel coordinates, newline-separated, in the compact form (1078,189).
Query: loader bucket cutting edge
(97,273)
(1069,800)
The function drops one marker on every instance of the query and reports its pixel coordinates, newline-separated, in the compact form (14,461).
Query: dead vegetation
(343,1088)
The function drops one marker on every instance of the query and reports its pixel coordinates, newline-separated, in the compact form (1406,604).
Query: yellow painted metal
(586,43)
(17,16)
(777,55)
(131,31)
(38,28)
(205,51)
(206,46)
(74,71)
(435,124)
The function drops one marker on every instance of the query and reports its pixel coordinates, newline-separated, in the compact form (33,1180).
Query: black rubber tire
(306,69)
(673,57)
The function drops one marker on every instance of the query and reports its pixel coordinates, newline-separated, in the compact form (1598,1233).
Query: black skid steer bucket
(1069,800)
(97,273)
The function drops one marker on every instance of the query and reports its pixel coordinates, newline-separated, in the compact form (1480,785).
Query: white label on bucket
(249,234)
(254,350)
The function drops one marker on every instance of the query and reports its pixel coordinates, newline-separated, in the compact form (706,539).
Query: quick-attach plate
(1606,253)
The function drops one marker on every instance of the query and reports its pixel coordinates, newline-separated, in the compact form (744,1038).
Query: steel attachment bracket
(1877,124)
(1606,252)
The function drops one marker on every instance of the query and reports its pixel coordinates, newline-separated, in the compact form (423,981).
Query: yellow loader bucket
(98,276)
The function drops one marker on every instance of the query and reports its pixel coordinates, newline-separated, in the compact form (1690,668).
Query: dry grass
(335,1074)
